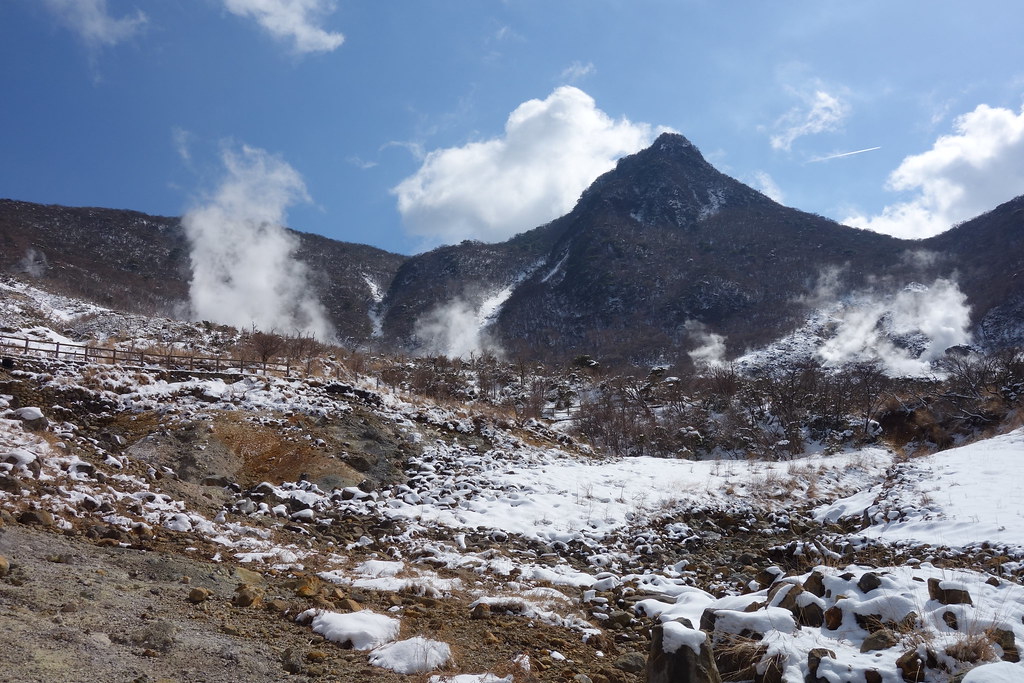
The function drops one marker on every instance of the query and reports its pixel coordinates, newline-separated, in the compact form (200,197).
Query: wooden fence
(140,358)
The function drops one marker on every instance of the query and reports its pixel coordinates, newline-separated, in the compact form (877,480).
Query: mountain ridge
(655,248)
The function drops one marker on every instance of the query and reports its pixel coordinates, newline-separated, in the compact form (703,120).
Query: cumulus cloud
(820,112)
(906,332)
(964,174)
(551,151)
(294,20)
(243,267)
(93,23)
(767,186)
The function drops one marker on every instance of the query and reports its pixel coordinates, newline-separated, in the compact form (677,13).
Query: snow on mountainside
(309,512)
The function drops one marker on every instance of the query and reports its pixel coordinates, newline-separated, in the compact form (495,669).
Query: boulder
(33,418)
(815,584)
(40,517)
(1004,639)
(680,653)
(868,582)
(631,662)
(911,666)
(833,617)
(882,639)
(948,595)
(814,658)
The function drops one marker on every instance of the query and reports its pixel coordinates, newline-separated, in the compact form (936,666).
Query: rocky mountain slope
(159,524)
(141,263)
(658,246)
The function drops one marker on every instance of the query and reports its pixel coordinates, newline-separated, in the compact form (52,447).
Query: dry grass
(973,647)
(737,657)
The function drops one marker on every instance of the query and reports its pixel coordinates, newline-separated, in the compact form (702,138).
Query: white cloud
(92,22)
(243,267)
(821,112)
(551,151)
(295,20)
(577,70)
(182,143)
(767,186)
(963,175)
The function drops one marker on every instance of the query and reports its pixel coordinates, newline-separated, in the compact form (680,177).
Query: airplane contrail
(846,154)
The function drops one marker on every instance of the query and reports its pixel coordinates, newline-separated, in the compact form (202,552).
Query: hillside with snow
(328,525)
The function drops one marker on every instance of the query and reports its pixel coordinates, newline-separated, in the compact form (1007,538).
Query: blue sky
(418,122)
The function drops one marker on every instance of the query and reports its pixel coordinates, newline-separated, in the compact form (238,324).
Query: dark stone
(811,615)
(869,622)
(911,667)
(738,660)
(707,621)
(40,517)
(881,639)
(950,620)
(948,596)
(768,576)
(814,658)
(815,584)
(868,582)
(632,662)
(1005,640)
(682,665)
(833,617)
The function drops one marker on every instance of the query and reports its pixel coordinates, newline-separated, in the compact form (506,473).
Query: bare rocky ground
(84,600)
(74,610)
(85,597)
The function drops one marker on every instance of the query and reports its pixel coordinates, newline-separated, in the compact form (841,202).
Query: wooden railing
(140,358)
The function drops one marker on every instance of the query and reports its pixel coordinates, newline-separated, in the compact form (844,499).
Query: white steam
(243,267)
(456,329)
(710,351)
(906,332)
(34,263)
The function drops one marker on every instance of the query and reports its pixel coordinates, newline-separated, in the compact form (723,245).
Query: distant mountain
(141,263)
(659,245)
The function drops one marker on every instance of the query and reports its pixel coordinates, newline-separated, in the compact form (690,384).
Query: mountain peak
(668,183)
(672,142)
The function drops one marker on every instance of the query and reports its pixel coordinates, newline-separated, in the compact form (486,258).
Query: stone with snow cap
(33,418)
(680,652)
(413,656)
(948,593)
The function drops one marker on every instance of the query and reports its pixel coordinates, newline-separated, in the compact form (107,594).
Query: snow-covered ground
(960,497)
